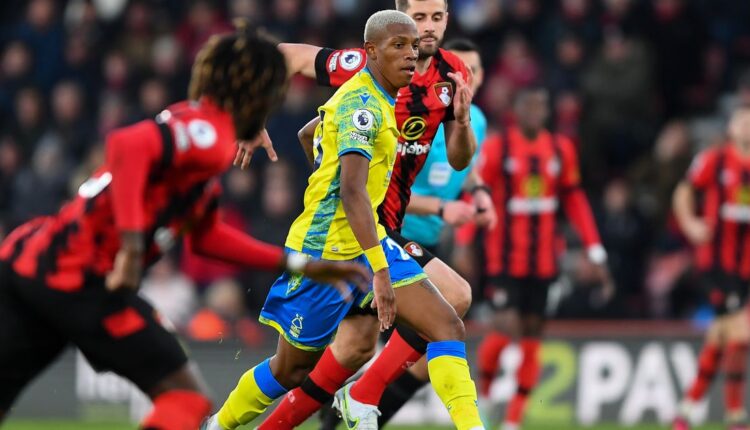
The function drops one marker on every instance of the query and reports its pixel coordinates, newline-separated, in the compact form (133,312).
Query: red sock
(390,364)
(299,404)
(734,376)
(708,361)
(488,355)
(177,410)
(527,377)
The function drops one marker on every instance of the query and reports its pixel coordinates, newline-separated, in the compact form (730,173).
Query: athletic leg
(735,362)
(353,346)
(28,343)
(531,307)
(261,385)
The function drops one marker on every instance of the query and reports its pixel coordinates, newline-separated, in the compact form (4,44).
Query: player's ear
(370,49)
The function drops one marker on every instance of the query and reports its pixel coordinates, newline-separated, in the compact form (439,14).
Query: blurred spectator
(567,115)
(117,74)
(71,124)
(40,188)
(30,121)
(626,236)
(617,90)
(678,37)
(167,64)
(136,36)
(43,32)
(576,19)
(516,62)
(655,176)
(153,98)
(224,316)
(202,20)
(170,292)
(621,14)
(10,164)
(565,71)
(15,72)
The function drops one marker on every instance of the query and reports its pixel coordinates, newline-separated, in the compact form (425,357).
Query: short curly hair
(244,73)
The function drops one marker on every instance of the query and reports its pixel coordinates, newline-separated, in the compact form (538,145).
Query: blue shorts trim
(307,313)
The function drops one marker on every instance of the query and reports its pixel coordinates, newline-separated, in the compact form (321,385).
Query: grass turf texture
(75,425)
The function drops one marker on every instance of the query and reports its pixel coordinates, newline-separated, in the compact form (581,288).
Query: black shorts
(422,255)
(526,295)
(115,331)
(726,293)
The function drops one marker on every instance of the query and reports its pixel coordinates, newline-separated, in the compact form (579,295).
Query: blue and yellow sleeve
(357,123)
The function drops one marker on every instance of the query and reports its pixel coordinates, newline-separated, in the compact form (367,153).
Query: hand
(486,216)
(698,231)
(458,212)
(340,274)
(385,299)
(462,98)
(248,147)
(127,270)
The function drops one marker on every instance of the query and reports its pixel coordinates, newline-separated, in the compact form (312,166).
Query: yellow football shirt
(359,118)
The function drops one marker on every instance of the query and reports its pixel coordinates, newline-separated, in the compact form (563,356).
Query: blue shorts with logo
(307,313)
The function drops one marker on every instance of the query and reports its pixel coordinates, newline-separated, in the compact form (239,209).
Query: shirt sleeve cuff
(359,151)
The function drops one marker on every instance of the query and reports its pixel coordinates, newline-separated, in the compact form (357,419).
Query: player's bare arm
(300,58)
(356,203)
(683,203)
(454,212)
(480,192)
(305,136)
(460,142)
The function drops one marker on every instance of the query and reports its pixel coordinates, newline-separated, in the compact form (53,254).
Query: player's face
(474,64)
(397,54)
(532,110)
(431,17)
(739,127)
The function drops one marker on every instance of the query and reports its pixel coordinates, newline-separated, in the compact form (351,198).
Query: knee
(353,355)
(460,295)
(452,329)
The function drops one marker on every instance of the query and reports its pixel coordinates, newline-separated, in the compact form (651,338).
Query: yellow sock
(450,377)
(255,391)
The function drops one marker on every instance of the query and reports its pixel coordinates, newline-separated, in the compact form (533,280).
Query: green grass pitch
(73,425)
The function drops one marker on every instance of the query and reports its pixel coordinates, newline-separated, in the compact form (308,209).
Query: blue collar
(382,90)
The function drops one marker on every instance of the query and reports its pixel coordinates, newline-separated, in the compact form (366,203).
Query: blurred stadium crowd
(640,85)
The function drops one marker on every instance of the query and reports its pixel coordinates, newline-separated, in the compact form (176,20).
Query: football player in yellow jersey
(354,152)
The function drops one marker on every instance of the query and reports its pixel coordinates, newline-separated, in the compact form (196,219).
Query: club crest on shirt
(444,92)
(414,249)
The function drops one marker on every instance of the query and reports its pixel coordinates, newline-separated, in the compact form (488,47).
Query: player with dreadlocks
(71,278)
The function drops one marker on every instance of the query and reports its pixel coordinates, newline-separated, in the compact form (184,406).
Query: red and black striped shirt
(159,179)
(530,180)
(420,108)
(722,177)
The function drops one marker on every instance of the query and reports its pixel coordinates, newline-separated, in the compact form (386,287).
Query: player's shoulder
(359,92)
(450,59)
